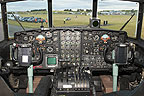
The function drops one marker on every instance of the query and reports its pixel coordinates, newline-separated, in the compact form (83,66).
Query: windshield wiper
(127,22)
(18,21)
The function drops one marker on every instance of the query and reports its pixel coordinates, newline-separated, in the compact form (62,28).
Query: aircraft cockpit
(71,48)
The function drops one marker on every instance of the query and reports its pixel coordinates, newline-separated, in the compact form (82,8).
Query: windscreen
(73,13)
(31,14)
(115,13)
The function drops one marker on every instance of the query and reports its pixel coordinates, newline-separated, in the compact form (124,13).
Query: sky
(71,4)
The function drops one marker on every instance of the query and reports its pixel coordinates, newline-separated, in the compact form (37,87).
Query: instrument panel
(72,47)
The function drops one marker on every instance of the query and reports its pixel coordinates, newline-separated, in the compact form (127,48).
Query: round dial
(48,34)
(49,49)
(40,39)
(96,37)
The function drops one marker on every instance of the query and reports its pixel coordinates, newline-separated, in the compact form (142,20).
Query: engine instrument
(72,47)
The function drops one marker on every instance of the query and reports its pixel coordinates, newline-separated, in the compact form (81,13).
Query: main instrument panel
(71,47)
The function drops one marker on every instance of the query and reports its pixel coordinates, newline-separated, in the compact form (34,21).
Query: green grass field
(115,21)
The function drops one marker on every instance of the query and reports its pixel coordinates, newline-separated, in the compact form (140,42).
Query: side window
(115,14)
(142,34)
(32,14)
(1,27)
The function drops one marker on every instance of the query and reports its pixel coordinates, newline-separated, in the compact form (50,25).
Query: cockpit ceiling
(134,0)
(4,1)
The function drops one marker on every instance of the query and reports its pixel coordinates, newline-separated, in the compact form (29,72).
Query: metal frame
(94,12)
(140,21)
(4,20)
(5,1)
(50,24)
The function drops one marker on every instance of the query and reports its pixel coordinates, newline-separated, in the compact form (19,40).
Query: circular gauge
(49,49)
(77,43)
(31,38)
(72,38)
(105,38)
(48,34)
(114,38)
(85,33)
(62,47)
(63,55)
(73,42)
(72,55)
(96,37)
(67,46)
(62,38)
(49,41)
(55,39)
(40,39)
(89,38)
(68,43)
(68,33)
(67,37)
(85,38)
(96,49)
(68,56)
(77,33)
(25,38)
(73,34)
(62,33)
(78,38)
(62,42)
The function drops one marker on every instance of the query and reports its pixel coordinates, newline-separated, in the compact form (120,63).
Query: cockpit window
(31,13)
(115,13)
(73,13)
(142,34)
(76,13)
